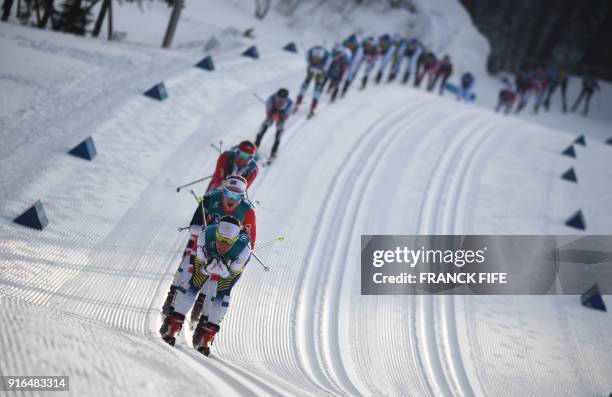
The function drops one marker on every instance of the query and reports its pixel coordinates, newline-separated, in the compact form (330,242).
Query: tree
(74,16)
(261,8)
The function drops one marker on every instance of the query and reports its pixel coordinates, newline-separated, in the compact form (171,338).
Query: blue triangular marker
(85,150)
(570,151)
(570,175)
(576,221)
(609,141)
(206,64)
(291,47)
(592,299)
(580,140)
(35,217)
(158,91)
(251,52)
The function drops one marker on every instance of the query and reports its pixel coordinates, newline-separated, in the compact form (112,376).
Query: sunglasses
(244,155)
(232,195)
(226,240)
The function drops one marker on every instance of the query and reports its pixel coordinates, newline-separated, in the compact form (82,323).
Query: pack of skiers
(223,229)
(388,56)
(541,83)
(222,234)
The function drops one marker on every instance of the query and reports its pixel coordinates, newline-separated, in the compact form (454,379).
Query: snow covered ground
(82,297)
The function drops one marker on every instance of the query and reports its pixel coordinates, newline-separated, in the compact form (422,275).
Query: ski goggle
(243,155)
(227,240)
(232,195)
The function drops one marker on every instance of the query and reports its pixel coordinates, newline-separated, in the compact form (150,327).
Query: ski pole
(218,149)
(266,268)
(280,239)
(178,189)
(260,98)
(201,202)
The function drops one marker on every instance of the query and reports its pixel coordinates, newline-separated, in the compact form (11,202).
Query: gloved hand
(217,267)
(195,230)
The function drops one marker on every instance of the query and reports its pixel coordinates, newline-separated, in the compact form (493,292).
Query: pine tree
(74,16)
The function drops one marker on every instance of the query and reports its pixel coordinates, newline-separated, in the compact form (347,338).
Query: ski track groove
(437,313)
(334,376)
(408,125)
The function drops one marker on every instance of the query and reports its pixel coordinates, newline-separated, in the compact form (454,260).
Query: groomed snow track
(82,298)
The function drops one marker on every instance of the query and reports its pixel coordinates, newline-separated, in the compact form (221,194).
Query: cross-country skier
(341,60)
(442,71)
(523,84)
(552,77)
(230,200)
(356,58)
(278,109)
(505,100)
(387,51)
(239,160)
(539,82)
(425,67)
(589,85)
(563,85)
(317,61)
(412,51)
(223,251)
(370,56)
(465,88)
(399,44)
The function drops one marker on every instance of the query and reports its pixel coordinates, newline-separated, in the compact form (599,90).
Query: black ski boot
(405,78)
(364,82)
(345,88)
(378,77)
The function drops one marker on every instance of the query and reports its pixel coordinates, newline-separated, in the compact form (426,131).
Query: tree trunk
(37,9)
(172,23)
(110,20)
(6,9)
(48,4)
(100,19)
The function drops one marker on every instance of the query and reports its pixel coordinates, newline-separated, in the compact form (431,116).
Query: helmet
(351,42)
(282,93)
(248,147)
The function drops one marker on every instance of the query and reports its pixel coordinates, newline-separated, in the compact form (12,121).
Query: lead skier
(223,250)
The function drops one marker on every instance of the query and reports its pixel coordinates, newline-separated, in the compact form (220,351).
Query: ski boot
(405,78)
(345,88)
(274,150)
(364,82)
(313,107)
(391,78)
(298,101)
(196,310)
(197,333)
(167,308)
(206,336)
(378,77)
(171,327)
(334,94)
